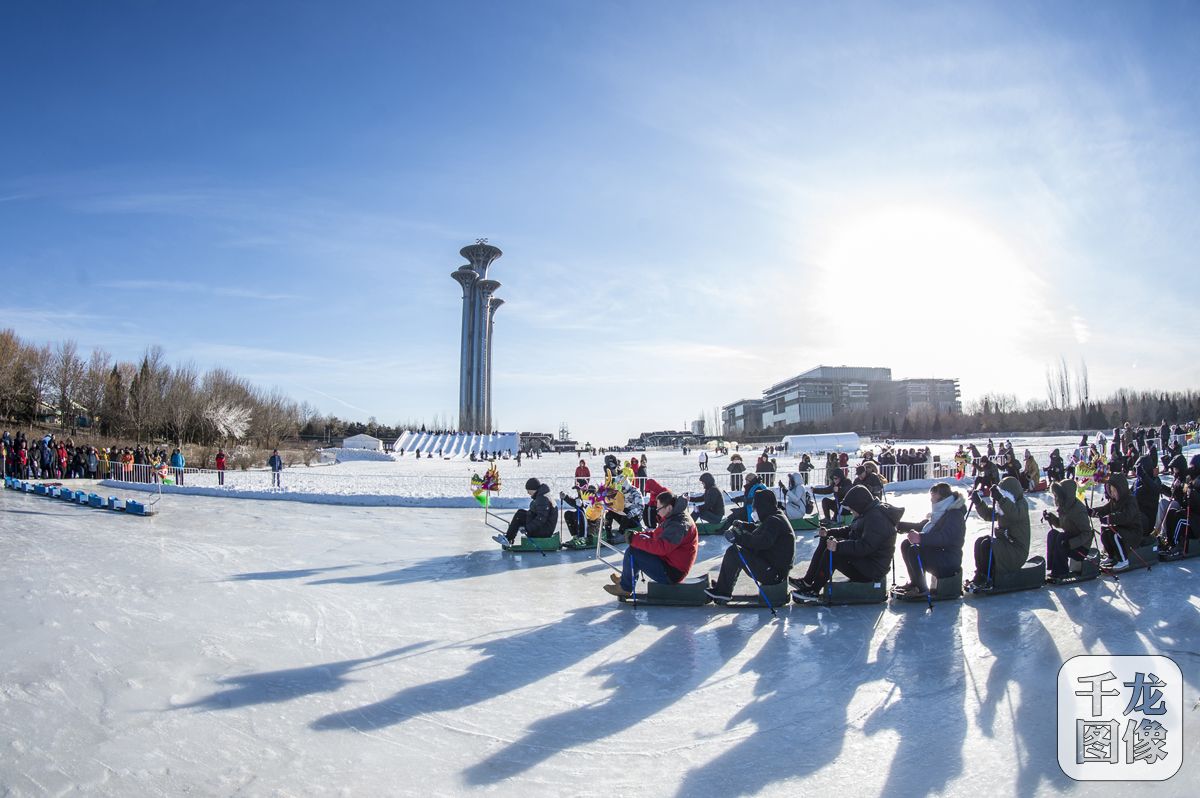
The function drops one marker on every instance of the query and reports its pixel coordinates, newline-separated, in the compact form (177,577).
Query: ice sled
(114,503)
(688,593)
(579,544)
(779,595)
(1030,576)
(41,490)
(137,508)
(81,497)
(66,494)
(947,588)
(1143,556)
(708,529)
(811,521)
(1084,570)
(526,543)
(843,591)
(94,500)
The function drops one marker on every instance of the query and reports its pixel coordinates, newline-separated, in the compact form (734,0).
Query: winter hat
(765,504)
(707,480)
(1194,468)
(532,483)
(858,499)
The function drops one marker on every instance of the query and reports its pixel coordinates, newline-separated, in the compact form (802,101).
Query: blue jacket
(177,460)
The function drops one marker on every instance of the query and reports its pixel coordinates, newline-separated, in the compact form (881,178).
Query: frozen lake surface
(278,648)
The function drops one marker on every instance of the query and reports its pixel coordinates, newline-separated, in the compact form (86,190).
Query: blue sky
(695,200)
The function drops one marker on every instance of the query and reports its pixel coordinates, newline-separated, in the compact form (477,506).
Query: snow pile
(338,455)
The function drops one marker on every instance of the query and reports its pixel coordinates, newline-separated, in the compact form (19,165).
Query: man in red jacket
(664,554)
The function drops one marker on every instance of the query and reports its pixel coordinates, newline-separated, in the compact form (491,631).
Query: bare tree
(40,363)
(91,384)
(146,393)
(1082,389)
(181,404)
(68,373)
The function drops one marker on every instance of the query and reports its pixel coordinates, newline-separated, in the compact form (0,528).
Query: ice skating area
(273,648)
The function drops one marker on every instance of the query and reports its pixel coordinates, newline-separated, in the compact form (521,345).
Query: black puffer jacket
(871,539)
(771,538)
(1146,490)
(542,516)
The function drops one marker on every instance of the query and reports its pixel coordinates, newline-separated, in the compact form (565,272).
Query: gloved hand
(731,536)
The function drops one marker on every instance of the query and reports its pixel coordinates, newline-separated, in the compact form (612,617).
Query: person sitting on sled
(989,474)
(862,551)
(626,507)
(767,547)
(752,485)
(1070,535)
(798,501)
(1006,550)
(592,512)
(939,539)
(538,521)
(712,503)
(1121,527)
(665,553)
(1177,529)
(834,494)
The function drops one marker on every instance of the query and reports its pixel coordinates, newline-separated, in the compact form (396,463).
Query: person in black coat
(768,548)
(834,495)
(712,503)
(862,551)
(1147,488)
(939,539)
(539,520)
(1122,526)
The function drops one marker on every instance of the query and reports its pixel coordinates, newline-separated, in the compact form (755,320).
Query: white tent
(363,442)
(830,442)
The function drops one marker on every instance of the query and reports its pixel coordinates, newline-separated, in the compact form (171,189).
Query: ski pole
(761,592)
(991,544)
(921,566)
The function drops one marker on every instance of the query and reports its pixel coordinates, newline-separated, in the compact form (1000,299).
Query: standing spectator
(703,460)
(220,466)
(582,474)
(177,465)
(735,468)
(276,463)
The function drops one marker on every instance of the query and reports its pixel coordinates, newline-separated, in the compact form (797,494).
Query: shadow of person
(449,568)
(1024,657)
(272,687)
(924,662)
(642,685)
(803,690)
(507,664)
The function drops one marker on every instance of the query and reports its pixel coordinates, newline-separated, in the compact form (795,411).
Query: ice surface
(290,649)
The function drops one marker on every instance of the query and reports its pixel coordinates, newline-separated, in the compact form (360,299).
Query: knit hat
(532,483)
(858,499)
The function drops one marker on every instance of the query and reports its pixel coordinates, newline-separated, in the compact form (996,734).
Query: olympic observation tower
(475,361)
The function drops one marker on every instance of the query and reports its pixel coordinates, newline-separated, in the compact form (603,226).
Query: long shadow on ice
(272,687)
(642,685)
(1024,677)
(507,663)
(299,573)
(448,568)
(804,687)
(924,656)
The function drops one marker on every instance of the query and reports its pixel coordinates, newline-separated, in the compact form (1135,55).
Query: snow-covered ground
(273,648)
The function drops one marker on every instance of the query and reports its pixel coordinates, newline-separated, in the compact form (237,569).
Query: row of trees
(150,400)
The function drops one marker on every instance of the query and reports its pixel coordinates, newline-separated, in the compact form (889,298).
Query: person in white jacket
(798,500)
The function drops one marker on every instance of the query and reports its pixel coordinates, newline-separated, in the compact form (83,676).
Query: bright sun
(920,260)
